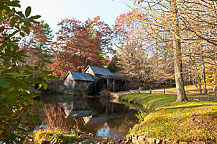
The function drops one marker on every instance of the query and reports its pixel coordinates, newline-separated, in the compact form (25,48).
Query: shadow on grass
(184,107)
(135,106)
(213,115)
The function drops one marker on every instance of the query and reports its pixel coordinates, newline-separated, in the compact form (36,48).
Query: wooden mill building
(76,80)
(94,79)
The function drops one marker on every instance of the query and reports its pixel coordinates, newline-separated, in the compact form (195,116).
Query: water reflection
(92,115)
(104,131)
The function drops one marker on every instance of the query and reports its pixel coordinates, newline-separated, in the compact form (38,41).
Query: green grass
(54,136)
(138,107)
(175,121)
(152,101)
(149,101)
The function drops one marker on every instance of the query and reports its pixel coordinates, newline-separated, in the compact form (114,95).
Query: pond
(101,117)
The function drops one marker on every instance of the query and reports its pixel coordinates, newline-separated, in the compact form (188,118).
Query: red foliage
(80,44)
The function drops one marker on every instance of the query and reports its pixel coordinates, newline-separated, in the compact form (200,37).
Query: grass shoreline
(165,119)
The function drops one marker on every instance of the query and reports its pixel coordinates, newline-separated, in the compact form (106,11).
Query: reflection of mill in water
(91,112)
(93,115)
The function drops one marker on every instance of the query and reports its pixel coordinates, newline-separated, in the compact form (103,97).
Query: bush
(16,97)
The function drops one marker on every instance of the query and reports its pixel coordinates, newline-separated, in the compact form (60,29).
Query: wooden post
(113,84)
(108,84)
(150,91)
(126,85)
(112,108)
(164,90)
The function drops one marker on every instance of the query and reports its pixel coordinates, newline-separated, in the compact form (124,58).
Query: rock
(157,141)
(150,140)
(134,139)
(141,139)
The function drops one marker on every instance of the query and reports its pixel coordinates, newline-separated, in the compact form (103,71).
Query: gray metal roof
(101,71)
(82,76)
(118,75)
(94,120)
(80,113)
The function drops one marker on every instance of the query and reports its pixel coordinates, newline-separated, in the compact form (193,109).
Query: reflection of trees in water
(123,124)
(55,117)
(116,127)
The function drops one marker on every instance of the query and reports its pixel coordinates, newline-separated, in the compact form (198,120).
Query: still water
(101,117)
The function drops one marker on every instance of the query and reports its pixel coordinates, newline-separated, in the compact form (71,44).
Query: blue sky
(52,11)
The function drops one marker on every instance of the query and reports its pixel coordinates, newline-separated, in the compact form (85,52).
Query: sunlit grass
(191,121)
(175,121)
(190,90)
(149,101)
(153,101)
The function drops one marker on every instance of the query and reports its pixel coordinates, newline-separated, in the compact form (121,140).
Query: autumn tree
(199,19)
(162,22)
(37,44)
(80,44)
(132,58)
(129,43)
(141,49)
(190,26)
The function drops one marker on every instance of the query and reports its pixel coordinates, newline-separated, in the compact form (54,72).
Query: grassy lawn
(149,101)
(175,121)
(189,89)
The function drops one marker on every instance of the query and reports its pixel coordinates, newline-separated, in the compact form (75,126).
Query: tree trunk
(204,77)
(181,96)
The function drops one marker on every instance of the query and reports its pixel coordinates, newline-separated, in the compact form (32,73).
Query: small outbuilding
(77,81)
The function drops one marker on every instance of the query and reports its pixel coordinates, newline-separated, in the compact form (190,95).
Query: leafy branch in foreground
(18,112)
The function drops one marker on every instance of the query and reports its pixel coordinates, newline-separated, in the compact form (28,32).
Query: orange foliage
(80,44)
(125,22)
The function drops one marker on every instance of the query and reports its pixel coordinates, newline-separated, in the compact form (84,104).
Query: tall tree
(163,25)
(38,44)
(80,44)
(132,56)
(181,96)
(199,20)
(151,56)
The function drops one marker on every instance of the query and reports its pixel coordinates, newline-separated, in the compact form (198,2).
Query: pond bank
(48,136)
(173,122)
(93,119)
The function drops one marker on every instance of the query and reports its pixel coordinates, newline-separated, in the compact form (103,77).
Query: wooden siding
(90,71)
(72,84)
(81,85)
(69,82)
